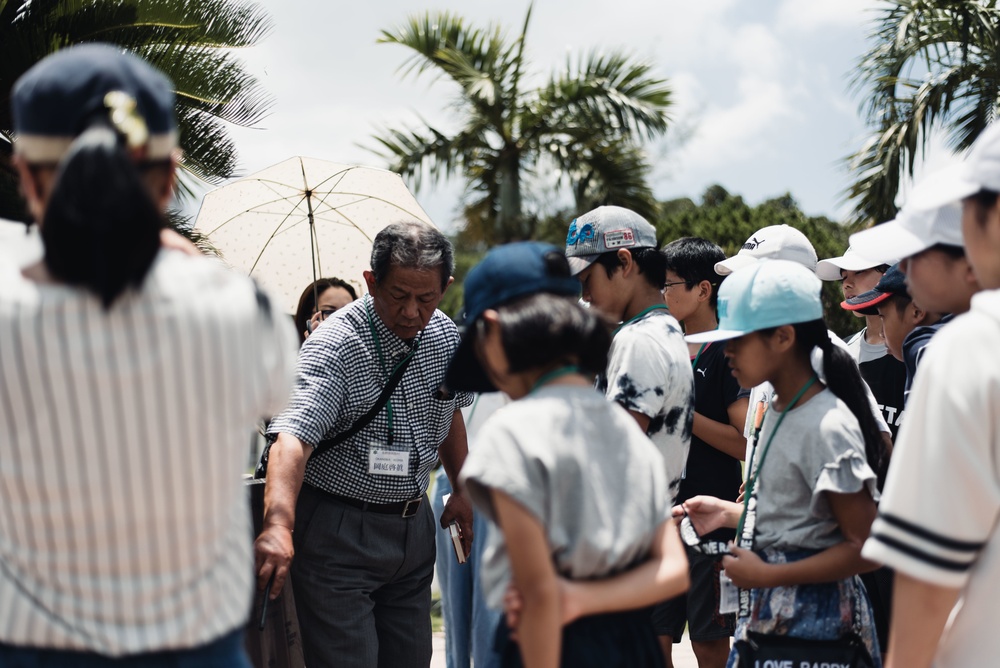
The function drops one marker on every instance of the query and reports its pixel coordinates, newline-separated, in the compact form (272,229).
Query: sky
(763,102)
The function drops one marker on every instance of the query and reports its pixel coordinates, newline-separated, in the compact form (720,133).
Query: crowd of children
(856,531)
(689,447)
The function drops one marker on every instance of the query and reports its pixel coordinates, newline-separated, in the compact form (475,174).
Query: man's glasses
(668,285)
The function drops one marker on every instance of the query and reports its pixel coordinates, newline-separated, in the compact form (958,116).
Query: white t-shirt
(649,372)
(582,466)
(941,502)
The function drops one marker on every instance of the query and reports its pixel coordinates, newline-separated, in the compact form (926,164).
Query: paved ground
(683,656)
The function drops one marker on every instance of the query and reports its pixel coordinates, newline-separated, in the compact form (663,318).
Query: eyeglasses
(668,285)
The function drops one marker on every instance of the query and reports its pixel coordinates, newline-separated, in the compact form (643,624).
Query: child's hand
(512,604)
(569,609)
(707,513)
(746,569)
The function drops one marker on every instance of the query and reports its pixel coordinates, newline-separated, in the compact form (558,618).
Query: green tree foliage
(721,217)
(585,121)
(933,63)
(729,221)
(190,40)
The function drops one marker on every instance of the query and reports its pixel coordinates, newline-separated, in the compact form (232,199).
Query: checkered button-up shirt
(340,376)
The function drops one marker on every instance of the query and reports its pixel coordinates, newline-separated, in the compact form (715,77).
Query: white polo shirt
(941,504)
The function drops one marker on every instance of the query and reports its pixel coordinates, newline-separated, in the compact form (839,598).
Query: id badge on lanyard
(389,460)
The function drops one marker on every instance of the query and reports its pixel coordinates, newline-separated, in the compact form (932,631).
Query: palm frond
(933,64)
(187,39)
(473,58)
(610,91)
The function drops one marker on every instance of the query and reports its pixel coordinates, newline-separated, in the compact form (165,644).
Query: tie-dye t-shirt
(649,372)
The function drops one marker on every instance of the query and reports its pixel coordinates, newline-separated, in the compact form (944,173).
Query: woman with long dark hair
(321,299)
(130,374)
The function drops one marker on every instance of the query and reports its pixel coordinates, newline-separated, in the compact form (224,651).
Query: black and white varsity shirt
(123,520)
(339,378)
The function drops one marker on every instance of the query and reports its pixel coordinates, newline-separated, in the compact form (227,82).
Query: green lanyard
(752,481)
(381,362)
(552,375)
(639,315)
(694,363)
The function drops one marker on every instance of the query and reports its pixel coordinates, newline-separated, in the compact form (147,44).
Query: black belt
(400,508)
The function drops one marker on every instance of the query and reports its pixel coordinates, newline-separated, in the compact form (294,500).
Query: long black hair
(844,380)
(101,227)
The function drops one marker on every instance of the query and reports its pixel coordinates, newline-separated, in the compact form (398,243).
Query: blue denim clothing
(470,625)
(226,652)
(826,611)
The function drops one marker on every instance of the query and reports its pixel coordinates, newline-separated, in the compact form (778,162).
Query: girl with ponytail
(130,375)
(95,152)
(811,481)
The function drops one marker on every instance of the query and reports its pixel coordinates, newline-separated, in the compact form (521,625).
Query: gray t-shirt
(818,448)
(583,467)
(862,351)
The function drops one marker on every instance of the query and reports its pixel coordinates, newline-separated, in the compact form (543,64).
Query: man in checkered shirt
(363,531)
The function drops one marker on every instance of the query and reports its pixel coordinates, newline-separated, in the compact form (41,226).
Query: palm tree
(585,122)
(187,39)
(934,64)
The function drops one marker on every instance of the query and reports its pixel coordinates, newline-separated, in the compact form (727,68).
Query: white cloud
(797,16)
(755,49)
(741,131)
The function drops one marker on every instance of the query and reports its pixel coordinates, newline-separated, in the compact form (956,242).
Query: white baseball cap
(852,260)
(913,231)
(776,242)
(980,170)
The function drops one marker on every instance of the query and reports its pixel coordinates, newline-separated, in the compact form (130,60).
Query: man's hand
(458,510)
(273,552)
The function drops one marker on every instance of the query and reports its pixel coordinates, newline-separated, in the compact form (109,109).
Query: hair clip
(126,119)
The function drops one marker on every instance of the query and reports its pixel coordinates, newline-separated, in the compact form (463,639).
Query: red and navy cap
(893,282)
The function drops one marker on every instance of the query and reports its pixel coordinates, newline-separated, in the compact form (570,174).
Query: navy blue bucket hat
(506,273)
(56,100)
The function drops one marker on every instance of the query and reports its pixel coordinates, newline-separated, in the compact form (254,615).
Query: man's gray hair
(412,245)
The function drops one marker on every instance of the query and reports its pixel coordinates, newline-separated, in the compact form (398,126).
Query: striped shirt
(340,377)
(939,519)
(123,520)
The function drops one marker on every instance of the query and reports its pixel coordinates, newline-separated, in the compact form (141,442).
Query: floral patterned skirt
(826,611)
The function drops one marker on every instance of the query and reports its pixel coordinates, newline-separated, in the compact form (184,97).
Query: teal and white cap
(765,294)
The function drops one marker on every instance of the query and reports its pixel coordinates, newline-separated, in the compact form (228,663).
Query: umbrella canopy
(304,219)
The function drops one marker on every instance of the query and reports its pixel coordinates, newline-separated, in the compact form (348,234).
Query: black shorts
(612,639)
(699,607)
